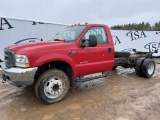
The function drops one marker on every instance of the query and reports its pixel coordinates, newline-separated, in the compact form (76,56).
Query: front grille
(9,57)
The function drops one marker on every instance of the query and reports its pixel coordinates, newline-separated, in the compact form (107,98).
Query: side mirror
(91,42)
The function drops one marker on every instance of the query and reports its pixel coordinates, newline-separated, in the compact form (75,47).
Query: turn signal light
(27,65)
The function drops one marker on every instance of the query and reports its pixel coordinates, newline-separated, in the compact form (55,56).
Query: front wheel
(52,86)
(148,68)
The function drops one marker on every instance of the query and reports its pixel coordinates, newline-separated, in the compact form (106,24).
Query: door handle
(110,50)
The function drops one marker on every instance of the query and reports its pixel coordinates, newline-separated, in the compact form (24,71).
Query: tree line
(139,26)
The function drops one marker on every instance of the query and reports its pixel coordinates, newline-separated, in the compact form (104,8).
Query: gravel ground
(121,96)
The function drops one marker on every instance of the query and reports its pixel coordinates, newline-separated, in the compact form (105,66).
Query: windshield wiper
(61,39)
(58,40)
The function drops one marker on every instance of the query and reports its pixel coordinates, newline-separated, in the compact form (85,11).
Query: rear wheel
(138,67)
(148,68)
(52,86)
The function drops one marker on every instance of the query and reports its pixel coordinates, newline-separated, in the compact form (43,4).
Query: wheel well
(61,65)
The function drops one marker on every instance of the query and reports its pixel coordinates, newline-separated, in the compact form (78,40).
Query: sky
(110,12)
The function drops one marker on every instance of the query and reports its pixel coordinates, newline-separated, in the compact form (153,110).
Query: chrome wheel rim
(151,68)
(53,87)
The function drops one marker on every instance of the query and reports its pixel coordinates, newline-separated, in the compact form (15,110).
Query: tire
(138,67)
(52,86)
(148,68)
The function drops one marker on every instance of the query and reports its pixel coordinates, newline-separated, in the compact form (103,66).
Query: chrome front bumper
(18,76)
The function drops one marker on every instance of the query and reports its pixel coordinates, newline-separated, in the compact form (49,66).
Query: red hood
(35,47)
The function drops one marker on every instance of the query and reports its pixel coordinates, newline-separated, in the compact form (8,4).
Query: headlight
(22,61)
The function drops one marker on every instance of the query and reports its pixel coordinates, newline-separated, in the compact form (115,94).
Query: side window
(100,34)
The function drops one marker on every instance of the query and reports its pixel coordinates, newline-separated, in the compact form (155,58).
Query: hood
(37,47)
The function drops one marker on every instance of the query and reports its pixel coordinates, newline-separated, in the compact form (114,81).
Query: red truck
(79,50)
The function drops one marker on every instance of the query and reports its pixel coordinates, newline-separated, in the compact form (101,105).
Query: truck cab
(78,50)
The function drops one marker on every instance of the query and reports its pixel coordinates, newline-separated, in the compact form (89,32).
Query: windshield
(69,34)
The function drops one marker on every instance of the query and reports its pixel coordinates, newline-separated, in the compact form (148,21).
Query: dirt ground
(121,96)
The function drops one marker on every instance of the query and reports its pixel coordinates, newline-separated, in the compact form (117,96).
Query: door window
(100,34)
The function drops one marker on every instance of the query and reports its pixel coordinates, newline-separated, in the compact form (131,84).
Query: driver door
(95,59)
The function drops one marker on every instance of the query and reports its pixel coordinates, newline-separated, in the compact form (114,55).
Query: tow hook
(3,78)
